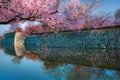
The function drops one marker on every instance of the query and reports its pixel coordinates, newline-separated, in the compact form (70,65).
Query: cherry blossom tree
(21,10)
(33,29)
(117,17)
(76,11)
(54,15)
(97,21)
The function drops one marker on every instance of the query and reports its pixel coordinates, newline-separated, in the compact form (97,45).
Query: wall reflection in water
(73,63)
(106,58)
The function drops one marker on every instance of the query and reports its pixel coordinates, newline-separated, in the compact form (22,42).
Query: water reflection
(106,58)
(68,63)
(79,72)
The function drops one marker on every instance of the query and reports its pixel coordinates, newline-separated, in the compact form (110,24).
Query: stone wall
(8,39)
(108,38)
(105,38)
(13,42)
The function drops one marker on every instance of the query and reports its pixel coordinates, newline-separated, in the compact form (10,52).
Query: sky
(110,5)
(106,6)
(4,29)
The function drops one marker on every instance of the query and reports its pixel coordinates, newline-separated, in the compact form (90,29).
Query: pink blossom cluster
(54,15)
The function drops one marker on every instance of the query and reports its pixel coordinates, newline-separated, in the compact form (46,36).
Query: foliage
(117,17)
(32,55)
(95,21)
(32,29)
(21,10)
(18,29)
(1,37)
(54,15)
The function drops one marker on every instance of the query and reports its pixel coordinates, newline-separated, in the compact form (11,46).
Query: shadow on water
(73,63)
(104,58)
(62,63)
(101,58)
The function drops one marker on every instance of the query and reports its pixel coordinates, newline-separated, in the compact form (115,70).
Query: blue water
(22,69)
(13,68)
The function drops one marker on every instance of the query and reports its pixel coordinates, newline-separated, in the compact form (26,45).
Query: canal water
(59,64)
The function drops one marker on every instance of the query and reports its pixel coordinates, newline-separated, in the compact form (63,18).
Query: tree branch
(9,21)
